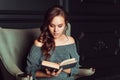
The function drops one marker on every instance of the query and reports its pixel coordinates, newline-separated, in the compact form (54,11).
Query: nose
(56,29)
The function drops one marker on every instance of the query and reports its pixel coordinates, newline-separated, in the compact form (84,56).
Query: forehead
(58,20)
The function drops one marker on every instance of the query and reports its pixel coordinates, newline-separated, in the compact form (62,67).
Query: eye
(60,25)
(51,25)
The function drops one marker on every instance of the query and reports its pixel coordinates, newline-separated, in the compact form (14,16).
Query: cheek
(63,29)
(50,29)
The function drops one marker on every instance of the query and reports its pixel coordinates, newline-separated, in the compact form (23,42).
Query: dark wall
(34,5)
(98,19)
(99,22)
(94,15)
(23,13)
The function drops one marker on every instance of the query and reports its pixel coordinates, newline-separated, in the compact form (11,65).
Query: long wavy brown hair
(46,37)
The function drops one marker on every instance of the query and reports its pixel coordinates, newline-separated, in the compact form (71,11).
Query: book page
(50,64)
(68,61)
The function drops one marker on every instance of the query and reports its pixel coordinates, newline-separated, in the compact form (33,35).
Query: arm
(73,54)
(68,71)
(41,74)
(33,62)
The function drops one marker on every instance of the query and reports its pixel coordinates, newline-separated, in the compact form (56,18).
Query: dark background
(23,13)
(95,24)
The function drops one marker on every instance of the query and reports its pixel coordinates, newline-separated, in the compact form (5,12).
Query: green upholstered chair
(15,44)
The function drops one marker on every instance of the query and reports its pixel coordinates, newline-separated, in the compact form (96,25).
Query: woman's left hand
(54,73)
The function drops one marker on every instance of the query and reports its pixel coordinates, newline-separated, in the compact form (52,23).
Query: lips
(55,34)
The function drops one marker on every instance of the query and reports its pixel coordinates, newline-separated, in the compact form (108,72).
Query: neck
(61,40)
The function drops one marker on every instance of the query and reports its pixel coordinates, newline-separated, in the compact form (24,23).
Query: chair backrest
(15,45)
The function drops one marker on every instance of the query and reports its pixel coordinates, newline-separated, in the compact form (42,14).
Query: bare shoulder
(37,43)
(70,40)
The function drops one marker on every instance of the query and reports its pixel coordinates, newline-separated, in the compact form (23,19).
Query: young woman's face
(57,26)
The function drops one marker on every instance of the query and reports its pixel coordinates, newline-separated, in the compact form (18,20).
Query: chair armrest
(12,68)
(24,76)
(16,72)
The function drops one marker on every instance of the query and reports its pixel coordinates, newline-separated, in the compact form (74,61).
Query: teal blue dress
(60,53)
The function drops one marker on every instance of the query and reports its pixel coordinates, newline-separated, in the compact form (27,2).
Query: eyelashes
(59,26)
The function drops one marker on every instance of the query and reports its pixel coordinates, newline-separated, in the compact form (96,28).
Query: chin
(56,37)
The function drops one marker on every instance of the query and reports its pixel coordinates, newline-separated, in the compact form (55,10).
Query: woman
(55,46)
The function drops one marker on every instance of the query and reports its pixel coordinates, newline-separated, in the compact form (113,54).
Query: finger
(59,71)
(47,71)
(53,73)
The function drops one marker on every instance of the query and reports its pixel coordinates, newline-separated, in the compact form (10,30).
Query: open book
(69,63)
